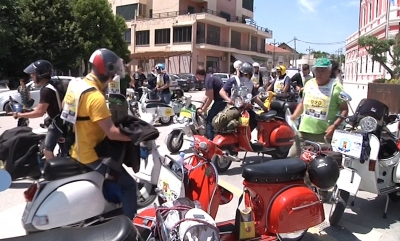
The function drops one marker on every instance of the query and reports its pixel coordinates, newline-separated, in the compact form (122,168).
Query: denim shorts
(52,137)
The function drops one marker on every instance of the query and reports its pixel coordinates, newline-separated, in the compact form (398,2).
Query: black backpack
(61,85)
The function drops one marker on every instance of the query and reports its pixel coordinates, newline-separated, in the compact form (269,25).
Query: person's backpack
(61,85)
(226,120)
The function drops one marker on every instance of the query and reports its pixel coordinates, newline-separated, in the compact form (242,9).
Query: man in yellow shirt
(85,106)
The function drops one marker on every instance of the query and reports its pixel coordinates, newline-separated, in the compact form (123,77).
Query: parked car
(198,84)
(223,76)
(173,82)
(4,87)
(35,94)
(185,82)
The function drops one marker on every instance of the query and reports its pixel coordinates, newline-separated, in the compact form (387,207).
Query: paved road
(361,222)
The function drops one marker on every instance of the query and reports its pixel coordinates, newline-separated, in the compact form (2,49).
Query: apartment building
(379,18)
(184,34)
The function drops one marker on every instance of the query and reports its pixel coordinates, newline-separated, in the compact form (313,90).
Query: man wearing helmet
(236,67)
(244,79)
(85,107)
(163,83)
(282,83)
(257,76)
(40,72)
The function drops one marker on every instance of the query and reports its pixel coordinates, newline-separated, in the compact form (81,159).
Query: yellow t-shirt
(89,133)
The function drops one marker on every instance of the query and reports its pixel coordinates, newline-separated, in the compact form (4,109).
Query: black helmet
(106,64)
(42,68)
(323,172)
(246,68)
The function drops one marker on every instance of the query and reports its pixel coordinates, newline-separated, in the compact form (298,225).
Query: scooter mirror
(344,96)
(5,180)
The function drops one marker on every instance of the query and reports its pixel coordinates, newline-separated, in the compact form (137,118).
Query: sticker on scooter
(5,180)
(168,112)
(347,143)
(166,193)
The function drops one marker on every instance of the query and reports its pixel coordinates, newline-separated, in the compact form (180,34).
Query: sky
(313,21)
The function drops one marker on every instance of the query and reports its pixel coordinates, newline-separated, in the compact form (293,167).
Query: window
(182,34)
(376,8)
(151,13)
(225,15)
(127,11)
(254,44)
(162,36)
(370,12)
(236,39)
(366,64)
(373,66)
(143,37)
(213,35)
(201,33)
(262,47)
(190,9)
(248,4)
(128,35)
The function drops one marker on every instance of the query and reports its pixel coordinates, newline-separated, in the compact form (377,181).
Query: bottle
(181,158)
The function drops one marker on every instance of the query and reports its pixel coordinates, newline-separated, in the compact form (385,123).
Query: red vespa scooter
(283,207)
(274,136)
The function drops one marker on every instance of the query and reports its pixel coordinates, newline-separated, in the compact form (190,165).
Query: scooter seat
(119,228)
(266,116)
(275,171)
(157,104)
(63,167)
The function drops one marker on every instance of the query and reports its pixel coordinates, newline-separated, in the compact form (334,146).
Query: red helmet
(106,64)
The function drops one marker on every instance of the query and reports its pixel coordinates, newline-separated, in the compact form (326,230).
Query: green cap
(322,63)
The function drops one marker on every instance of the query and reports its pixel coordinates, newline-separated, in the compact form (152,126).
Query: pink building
(186,33)
(374,20)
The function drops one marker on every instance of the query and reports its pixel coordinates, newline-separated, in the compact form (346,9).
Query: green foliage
(99,28)
(387,81)
(48,31)
(320,54)
(378,48)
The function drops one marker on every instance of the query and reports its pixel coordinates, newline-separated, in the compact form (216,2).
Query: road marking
(236,191)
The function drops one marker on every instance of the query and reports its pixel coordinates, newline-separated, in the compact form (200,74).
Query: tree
(9,20)
(48,31)
(99,28)
(378,48)
(320,54)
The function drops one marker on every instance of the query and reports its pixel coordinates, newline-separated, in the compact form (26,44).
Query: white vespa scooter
(370,156)
(72,195)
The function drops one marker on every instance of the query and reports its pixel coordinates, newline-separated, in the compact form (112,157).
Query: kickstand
(386,206)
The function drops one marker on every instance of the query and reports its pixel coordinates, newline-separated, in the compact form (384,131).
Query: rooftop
(233,19)
(276,49)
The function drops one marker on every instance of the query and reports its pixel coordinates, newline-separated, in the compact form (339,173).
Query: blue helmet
(160,66)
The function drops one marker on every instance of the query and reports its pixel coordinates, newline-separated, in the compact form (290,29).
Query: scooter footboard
(295,209)
(349,180)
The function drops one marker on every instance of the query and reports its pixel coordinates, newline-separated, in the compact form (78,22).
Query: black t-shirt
(48,96)
(139,79)
(214,83)
(298,80)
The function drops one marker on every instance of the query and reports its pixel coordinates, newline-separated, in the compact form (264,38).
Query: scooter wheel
(338,207)
(221,164)
(165,120)
(296,236)
(174,145)
(144,202)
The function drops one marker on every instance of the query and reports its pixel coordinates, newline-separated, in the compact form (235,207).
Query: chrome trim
(307,205)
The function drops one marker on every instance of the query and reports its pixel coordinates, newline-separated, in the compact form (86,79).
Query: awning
(243,58)
(158,54)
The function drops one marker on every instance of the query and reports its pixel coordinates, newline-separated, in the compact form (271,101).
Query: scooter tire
(337,213)
(170,141)
(166,123)
(141,202)
(281,152)
(296,238)
(220,165)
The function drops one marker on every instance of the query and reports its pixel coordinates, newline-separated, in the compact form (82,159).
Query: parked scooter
(274,136)
(145,105)
(19,108)
(188,123)
(132,97)
(281,205)
(370,156)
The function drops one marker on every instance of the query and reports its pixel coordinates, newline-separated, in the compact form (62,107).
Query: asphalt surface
(362,222)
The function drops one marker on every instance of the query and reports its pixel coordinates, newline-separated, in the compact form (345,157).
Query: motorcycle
(281,205)
(274,136)
(370,156)
(188,123)
(145,105)
(19,108)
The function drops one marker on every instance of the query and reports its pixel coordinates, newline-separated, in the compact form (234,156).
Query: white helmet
(237,64)
(273,70)
(255,64)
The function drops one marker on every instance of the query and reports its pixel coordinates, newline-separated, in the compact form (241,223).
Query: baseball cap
(323,63)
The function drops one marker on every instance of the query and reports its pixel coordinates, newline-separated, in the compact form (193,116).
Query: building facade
(280,56)
(184,34)
(376,16)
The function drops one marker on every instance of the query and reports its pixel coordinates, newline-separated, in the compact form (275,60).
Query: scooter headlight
(368,124)
(238,102)
(186,121)
(249,96)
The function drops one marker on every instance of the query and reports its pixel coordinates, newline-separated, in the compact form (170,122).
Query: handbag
(244,222)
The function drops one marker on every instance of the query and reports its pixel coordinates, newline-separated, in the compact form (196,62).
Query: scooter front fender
(225,140)
(349,180)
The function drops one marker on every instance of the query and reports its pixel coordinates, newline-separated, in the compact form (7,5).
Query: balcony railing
(227,45)
(232,19)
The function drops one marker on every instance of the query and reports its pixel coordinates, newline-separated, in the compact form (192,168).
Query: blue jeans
(166,96)
(52,137)
(128,188)
(217,107)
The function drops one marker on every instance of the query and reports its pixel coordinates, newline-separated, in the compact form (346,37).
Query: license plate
(349,180)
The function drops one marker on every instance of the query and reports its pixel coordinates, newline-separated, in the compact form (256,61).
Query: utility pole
(309,53)
(295,52)
(273,54)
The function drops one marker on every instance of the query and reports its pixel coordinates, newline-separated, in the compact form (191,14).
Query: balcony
(232,21)
(242,47)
